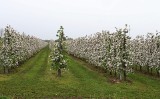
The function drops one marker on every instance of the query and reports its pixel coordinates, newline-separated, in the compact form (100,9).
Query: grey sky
(42,18)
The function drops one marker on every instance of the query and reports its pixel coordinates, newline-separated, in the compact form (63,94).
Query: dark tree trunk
(125,76)
(59,72)
(120,76)
(106,70)
(141,68)
(148,69)
(124,71)
(136,67)
(151,71)
(110,72)
(115,73)
(124,57)
(6,71)
(157,72)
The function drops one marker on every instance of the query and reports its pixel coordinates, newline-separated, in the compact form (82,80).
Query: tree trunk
(148,69)
(59,72)
(6,71)
(124,74)
(151,71)
(136,67)
(158,72)
(120,76)
(141,68)
(110,72)
(124,57)
(124,70)
(115,73)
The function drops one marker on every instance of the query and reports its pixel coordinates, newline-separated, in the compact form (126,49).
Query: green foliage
(3,97)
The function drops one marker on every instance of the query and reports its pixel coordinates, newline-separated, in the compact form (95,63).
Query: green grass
(34,79)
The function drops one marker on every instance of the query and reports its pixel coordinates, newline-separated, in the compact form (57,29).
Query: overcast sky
(42,18)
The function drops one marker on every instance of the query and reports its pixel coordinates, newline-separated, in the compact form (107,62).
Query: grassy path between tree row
(34,79)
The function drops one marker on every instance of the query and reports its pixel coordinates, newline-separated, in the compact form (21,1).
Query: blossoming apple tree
(58,57)
(16,48)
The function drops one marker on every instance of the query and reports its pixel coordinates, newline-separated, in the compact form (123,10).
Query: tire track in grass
(90,81)
(29,69)
(39,65)
(25,81)
(95,84)
(44,63)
